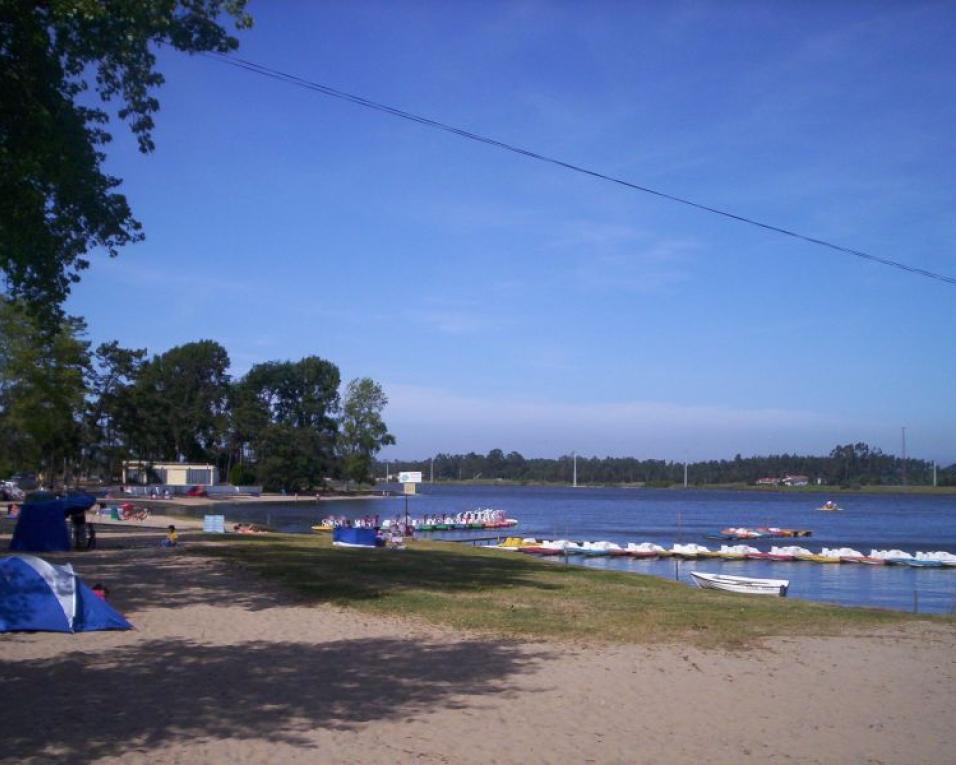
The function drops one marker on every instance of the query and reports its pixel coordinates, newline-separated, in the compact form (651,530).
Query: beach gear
(39,596)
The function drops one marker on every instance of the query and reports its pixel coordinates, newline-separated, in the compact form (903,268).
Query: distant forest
(849,465)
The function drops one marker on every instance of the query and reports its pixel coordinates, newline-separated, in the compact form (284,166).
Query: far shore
(242,499)
(814,489)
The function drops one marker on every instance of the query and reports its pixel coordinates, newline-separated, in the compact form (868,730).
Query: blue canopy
(78,501)
(41,527)
(39,596)
(347,537)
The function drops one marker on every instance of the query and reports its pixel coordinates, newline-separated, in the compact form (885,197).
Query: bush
(242,475)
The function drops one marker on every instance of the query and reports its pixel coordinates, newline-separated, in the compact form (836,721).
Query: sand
(225,667)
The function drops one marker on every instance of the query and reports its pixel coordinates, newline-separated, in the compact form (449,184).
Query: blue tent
(39,596)
(78,501)
(346,537)
(41,527)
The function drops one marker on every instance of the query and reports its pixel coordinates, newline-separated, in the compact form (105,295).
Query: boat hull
(743,585)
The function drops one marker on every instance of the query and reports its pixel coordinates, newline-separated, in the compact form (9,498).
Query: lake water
(666,516)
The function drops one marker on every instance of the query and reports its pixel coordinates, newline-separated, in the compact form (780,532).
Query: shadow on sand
(324,573)
(79,707)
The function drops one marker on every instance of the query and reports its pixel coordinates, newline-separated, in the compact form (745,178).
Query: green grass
(508,594)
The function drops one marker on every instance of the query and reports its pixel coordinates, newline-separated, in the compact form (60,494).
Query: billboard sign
(410,477)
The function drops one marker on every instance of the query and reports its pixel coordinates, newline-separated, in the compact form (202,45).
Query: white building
(168,473)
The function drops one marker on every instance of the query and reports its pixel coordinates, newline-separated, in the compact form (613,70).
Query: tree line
(69,411)
(846,465)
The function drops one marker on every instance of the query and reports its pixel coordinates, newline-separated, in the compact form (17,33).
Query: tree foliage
(56,202)
(846,465)
(285,413)
(179,400)
(364,432)
(63,410)
(42,391)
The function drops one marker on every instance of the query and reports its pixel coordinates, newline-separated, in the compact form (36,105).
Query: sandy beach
(225,667)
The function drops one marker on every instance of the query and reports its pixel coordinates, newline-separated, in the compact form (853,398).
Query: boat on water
(689,551)
(742,584)
(542,549)
(780,557)
(819,558)
(735,552)
(923,563)
(829,507)
(770,532)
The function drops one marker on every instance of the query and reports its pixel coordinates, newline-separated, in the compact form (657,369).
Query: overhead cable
(395,112)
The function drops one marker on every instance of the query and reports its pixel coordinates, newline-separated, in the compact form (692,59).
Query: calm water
(665,516)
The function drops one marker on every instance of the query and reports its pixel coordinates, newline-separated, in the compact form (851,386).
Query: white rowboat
(744,584)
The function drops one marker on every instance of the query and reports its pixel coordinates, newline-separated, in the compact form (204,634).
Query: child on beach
(100,591)
(171,537)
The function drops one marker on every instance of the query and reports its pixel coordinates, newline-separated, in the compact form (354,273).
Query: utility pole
(934,474)
(574,460)
(431,475)
(904,455)
(685,472)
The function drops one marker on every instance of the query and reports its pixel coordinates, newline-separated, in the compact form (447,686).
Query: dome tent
(39,596)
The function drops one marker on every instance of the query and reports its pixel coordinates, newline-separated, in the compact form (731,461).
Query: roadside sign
(410,477)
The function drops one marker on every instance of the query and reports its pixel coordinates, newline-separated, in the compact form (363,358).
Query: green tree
(109,382)
(56,203)
(285,412)
(177,407)
(364,432)
(42,392)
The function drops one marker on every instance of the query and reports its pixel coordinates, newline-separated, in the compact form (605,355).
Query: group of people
(340,521)
(125,512)
(249,528)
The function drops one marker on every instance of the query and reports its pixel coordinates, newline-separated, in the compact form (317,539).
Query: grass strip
(509,594)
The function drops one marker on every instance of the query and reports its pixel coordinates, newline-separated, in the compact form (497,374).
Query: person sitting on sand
(172,538)
(100,591)
(247,528)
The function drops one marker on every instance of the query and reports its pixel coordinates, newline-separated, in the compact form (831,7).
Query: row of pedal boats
(649,550)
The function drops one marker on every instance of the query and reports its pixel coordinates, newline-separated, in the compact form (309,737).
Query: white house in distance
(168,473)
(795,480)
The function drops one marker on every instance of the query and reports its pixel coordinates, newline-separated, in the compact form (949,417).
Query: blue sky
(508,303)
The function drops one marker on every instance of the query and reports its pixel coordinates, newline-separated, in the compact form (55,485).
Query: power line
(292,79)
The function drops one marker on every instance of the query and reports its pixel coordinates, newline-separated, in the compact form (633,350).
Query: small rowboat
(743,584)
